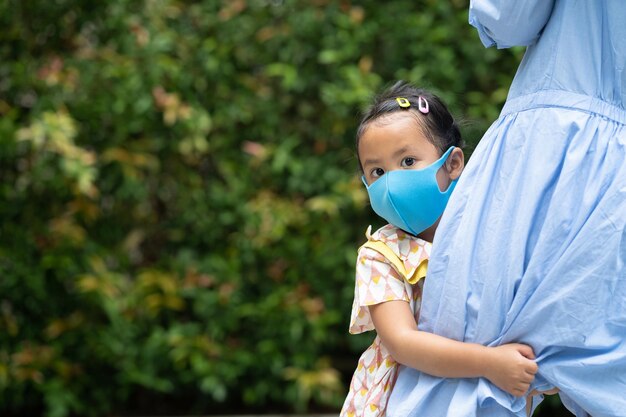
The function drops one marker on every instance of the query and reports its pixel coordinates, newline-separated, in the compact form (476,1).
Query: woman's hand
(529,399)
(548,392)
(511,368)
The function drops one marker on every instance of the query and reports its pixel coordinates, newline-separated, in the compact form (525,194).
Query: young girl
(408,147)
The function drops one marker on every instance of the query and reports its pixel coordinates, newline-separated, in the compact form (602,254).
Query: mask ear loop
(445,166)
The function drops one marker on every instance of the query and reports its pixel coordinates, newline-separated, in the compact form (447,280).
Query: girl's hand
(511,368)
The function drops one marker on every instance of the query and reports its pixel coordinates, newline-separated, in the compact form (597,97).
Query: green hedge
(179,200)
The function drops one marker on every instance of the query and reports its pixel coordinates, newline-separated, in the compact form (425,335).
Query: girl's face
(396,141)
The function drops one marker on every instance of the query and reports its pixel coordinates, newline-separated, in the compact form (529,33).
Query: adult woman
(547,216)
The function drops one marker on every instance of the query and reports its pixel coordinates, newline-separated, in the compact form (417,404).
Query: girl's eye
(377,172)
(407,162)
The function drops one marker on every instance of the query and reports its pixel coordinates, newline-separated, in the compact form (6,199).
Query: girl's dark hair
(439,126)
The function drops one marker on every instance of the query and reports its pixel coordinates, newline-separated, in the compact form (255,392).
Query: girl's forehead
(398,119)
(395,130)
(405,124)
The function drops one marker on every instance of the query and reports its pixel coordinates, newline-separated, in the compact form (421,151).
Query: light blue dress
(532,245)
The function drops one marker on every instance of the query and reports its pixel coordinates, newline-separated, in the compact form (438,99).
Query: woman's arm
(510,367)
(507,23)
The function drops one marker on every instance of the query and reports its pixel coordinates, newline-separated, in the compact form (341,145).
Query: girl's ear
(455,163)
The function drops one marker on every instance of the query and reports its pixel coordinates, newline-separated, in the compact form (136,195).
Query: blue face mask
(410,199)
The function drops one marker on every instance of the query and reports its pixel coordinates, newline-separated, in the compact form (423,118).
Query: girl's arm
(510,367)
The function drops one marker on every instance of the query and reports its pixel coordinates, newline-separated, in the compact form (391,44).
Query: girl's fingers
(532,368)
(532,372)
(519,392)
(526,351)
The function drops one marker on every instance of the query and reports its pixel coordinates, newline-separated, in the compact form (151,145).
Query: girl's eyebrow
(397,153)
(400,151)
(371,162)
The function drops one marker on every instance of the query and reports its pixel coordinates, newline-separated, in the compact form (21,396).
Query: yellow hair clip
(403,102)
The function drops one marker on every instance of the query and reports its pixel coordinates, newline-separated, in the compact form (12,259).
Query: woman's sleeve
(376,282)
(507,23)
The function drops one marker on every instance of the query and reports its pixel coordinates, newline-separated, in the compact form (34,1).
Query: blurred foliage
(178,193)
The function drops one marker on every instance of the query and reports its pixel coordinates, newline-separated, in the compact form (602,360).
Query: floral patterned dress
(383,274)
